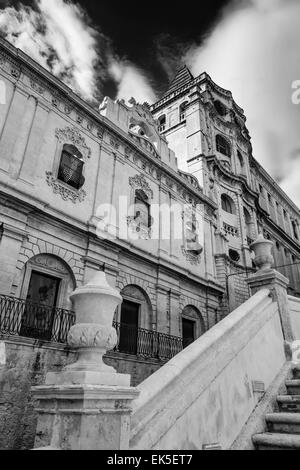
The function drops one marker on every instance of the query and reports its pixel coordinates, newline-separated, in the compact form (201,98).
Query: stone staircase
(283,427)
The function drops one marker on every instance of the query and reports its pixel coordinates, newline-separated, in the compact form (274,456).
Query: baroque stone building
(166,199)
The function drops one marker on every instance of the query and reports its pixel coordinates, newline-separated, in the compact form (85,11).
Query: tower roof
(182,77)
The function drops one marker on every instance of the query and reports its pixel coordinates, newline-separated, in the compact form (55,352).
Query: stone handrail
(204,394)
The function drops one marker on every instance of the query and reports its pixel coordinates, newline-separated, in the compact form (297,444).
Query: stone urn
(263,253)
(93,333)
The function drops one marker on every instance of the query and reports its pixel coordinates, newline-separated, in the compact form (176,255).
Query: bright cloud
(56,35)
(131,82)
(253,51)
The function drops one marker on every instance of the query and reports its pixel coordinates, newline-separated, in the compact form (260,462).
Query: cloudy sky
(124,49)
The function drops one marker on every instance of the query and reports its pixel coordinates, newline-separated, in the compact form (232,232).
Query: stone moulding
(67,193)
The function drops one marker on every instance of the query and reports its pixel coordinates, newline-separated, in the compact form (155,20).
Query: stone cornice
(284,198)
(275,229)
(212,159)
(69,101)
(203,78)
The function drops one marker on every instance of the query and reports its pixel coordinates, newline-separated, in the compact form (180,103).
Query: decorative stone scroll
(73,136)
(140,182)
(66,192)
(191,257)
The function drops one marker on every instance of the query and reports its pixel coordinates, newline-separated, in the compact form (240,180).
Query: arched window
(227,204)
(182,109)
(162,123)
(47,282)
(223,146)
(71,167)
(142,214)
(220,108)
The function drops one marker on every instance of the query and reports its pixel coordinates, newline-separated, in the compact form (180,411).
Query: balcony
(230,230)
(20,317)
(146,343)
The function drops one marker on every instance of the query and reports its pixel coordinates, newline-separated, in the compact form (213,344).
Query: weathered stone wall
(27,363)
(138,368)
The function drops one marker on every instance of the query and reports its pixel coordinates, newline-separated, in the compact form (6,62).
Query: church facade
(165,199)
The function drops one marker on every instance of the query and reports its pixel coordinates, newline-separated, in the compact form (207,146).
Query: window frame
(67,153)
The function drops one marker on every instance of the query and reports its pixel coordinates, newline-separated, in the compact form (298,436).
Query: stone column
(88,404)
(266,277)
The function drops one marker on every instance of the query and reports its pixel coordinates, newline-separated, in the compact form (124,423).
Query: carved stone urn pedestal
(268,278)
(88,404)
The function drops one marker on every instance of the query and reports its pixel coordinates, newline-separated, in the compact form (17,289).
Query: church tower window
(227,204)
(223,146)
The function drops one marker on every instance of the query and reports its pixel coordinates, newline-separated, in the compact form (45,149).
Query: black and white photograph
(149,228)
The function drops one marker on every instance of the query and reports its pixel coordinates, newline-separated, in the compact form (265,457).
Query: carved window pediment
(140,182)
(71,135)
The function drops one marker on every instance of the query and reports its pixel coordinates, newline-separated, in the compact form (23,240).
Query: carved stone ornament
(49,262)
(191,257)
(140,182)
(138,230)
(15,71)
(66,192)
(73,136)
(36,86)
(92,336)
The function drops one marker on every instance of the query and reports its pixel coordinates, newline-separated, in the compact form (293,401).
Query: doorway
(188,332)
(41,300)
(129,324)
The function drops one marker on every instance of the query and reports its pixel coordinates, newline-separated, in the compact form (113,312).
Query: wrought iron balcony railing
(146,343)
(21,317)
(24,318)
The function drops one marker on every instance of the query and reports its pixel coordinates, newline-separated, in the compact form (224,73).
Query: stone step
(296,372)
(288,423)
(289,403)
(276,441)
(293,387)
